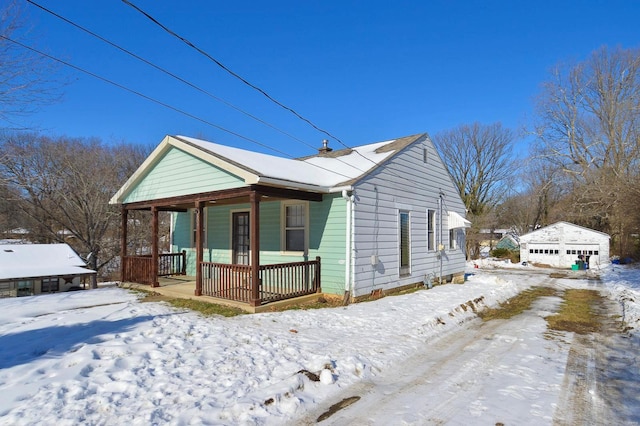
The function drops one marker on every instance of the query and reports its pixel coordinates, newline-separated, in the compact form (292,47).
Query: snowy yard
(102,357)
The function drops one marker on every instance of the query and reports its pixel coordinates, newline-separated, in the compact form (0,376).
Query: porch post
(123,242)
(154,247)
(254,238)
(199,254)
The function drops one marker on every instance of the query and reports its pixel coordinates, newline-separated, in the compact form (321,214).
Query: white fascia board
(335,189)
(140,172)
(216,161)
(290,184)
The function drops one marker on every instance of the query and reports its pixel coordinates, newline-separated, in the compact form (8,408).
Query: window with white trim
(294,226)
(431,229)
(453,235)
(405,243)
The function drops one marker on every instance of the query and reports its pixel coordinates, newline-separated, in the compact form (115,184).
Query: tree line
(583,166)
(58,190)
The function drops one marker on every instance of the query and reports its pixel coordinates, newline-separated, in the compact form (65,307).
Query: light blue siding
(180,173)
(405,183)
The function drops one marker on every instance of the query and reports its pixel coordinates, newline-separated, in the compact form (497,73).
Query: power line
(243,80)
(197,88)
(164,104)
(234,74)
(182,80)
(169,73)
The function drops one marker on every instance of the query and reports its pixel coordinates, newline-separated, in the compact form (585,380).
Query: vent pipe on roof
(325,147)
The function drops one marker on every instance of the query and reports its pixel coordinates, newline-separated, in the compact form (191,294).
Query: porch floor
(184,286)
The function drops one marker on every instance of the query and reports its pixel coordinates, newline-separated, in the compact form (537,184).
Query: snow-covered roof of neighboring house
(323,172)
(39,260)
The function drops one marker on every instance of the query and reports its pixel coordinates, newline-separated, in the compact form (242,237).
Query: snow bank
(622,282)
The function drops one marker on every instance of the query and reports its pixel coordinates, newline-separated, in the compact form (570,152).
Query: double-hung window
(405,243)
(295,226)
(453,235)
(431,230)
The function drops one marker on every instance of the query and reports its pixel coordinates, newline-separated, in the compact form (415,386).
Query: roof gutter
(290,184)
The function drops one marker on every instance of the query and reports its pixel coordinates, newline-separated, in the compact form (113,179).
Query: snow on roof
(39,260)
(325,170)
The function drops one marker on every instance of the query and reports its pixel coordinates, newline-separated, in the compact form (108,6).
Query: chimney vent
(325,147)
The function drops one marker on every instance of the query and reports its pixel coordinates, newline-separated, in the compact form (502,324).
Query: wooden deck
(183,287)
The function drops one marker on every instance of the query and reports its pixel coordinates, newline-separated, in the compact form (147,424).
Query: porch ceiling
(224,197)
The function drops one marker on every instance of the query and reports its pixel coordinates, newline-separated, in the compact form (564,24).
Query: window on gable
(295,226)
(431,229)
(405,243)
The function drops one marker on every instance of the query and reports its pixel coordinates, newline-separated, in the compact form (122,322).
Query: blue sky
(366,71)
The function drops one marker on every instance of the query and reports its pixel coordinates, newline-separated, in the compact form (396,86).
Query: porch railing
(139,269)
(172,264)
(277,282)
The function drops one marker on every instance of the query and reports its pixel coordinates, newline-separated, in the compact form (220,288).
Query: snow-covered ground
(103,357)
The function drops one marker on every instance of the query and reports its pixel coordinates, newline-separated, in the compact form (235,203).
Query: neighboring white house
(28,269)
(562,244)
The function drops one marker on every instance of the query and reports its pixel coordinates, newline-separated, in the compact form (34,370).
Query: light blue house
(256,228)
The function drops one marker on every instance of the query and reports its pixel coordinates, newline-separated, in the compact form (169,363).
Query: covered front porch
(249,283)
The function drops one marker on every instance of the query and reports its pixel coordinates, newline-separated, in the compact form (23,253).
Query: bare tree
(589,126)
(479,160)
(63,185)
(26,78)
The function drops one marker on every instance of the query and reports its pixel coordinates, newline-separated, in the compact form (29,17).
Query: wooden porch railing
(172,264)
(277,282)
(139,269)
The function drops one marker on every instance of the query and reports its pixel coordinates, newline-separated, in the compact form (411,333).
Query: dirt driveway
(513,371)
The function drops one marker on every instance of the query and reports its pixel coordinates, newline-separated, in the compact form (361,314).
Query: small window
(568,251)
(405,244)
(573,252)
(546,251)
(530,251)
(453,235)
(595,252)
(590,252)
(295,224)
(50,285)
(556,252)
(431,229)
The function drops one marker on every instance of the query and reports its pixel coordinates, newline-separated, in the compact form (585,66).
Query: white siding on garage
(560,244)
(405,184)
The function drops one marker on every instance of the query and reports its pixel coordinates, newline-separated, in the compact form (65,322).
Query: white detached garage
(560,245)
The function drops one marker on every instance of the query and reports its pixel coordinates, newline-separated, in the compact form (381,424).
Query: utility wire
(243,80)
(156,101)
(169,73)
(234,74)
(182,80)
(195,87)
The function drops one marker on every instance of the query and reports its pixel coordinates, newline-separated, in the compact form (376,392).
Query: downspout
(349,243)
(440,246)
